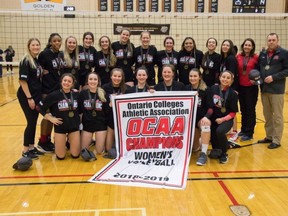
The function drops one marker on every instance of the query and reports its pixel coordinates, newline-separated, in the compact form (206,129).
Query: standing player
(105,60)
(29,95)
(71,59)
(51,63)
(167,56)
(86,57)
(146,55)
(123,50)
(211,63)
(189,57)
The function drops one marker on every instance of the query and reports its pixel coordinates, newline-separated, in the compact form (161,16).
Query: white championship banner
(154,137)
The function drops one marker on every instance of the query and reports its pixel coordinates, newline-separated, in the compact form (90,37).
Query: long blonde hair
(101,93)
(112,57)
(67,57)
(28,56)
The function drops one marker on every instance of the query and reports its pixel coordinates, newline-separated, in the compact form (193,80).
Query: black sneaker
(215,153)
(47,147)
(36,152)
(223,158)
(29,154)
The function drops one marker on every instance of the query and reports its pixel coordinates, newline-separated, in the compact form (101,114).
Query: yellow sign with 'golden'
(50,5)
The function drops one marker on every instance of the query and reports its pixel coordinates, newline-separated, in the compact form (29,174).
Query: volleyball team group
(72,90)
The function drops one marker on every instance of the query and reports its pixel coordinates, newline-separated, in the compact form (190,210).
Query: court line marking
(190,173)
(188,179)
(96,211)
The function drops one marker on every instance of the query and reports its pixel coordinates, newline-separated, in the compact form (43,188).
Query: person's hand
(31,103)
(268,79)
(219,120)
(205,121)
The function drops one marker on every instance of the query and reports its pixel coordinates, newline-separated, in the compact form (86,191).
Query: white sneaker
(233,136)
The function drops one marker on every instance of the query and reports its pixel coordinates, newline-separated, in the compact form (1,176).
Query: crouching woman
(63,113)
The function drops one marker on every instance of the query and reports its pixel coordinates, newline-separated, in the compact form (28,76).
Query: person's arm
(25,88)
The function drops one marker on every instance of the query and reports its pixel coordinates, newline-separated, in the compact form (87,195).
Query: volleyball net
(16,27)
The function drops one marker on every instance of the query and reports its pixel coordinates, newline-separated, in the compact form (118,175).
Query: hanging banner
(49,5)
(154,135)
(137,28)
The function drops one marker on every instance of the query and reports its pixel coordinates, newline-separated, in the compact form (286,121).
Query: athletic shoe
(233,136)
(223,158)
(273,145)
(246,138)
(232,145)
(29,154)
(241,133)
(36,152)
(47,147)
(202,159)
(215,153)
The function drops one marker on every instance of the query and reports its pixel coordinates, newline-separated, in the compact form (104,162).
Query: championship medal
(87,66)
(73,71)
(71,114)
(125,62)
(206,72)
(223,109)
(267,67)
(94,113)
(107,69)
(244,72)
(186,67)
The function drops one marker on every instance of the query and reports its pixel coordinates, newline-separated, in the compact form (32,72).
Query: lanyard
(226,96)
(170,88)
(144,59)
(69,102)
(87,57)
(143,90)
(245,63)
(92,101)
(170,58)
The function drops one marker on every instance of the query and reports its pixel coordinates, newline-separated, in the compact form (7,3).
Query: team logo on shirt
(217,100)
(64,106)
(88,106)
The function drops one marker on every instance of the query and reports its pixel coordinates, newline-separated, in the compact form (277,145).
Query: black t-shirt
(211,68)
(217,101)
(33,78)
(52,62)
(124,59)
(203,102)
(187,61)
(176,86)
(102,67)
(164,58)
(147,58)
(86,60)
(230,63)
(85,107)
(59,108)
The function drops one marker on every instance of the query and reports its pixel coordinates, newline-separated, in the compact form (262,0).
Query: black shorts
(62,130)
(91,126)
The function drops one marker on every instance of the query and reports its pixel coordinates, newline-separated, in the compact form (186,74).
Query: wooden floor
(254,176)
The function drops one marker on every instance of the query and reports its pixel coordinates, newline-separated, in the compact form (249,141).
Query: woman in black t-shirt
(63,113)
(29,95)
(123,50)
(91,105)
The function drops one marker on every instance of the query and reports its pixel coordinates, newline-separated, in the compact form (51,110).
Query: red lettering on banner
(150,127)
(154,143)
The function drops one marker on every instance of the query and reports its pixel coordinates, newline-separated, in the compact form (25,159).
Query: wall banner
(47,5)
(137,28)
(154,137)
